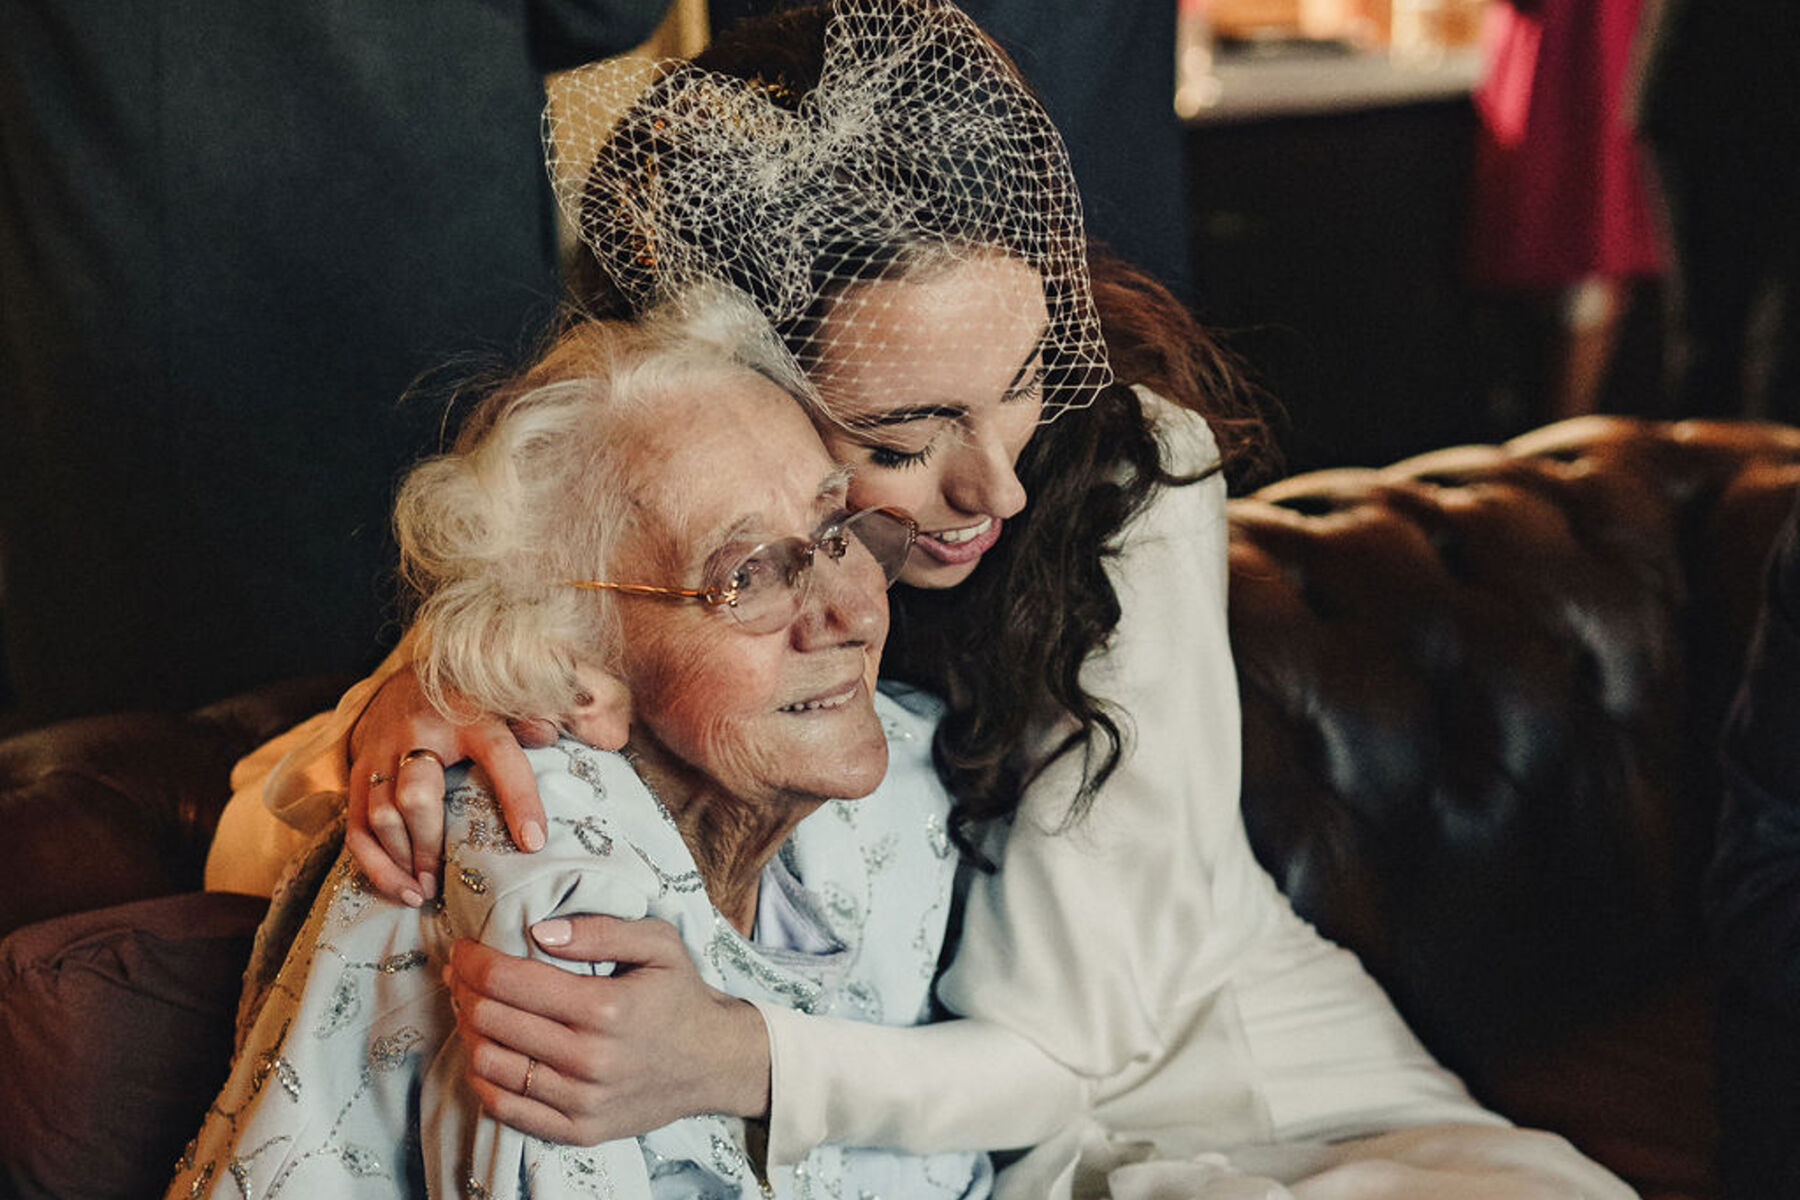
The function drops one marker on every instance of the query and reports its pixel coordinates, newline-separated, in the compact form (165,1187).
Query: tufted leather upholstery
(103,810)
(1480,693)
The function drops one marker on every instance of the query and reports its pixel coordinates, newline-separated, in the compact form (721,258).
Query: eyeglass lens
(768,586)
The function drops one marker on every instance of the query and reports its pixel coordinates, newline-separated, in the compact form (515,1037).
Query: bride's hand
(399,749)
(609,1056)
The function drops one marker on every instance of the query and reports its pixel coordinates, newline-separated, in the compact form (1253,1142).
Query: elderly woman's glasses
(765,588)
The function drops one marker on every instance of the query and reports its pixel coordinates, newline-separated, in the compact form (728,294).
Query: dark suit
(231,236)
(1755,902)
(1720,105)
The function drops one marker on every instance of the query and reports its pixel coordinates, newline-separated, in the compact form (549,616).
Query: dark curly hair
(1005,648)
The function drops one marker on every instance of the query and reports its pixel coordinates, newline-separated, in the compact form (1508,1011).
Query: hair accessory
(917,151)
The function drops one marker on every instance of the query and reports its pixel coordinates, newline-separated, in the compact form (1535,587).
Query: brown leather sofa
(1481,689)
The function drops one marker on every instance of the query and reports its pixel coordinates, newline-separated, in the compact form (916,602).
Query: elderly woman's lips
(836,698)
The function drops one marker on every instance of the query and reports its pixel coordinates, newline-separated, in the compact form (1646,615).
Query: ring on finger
(418,752)
(530,1068)
(376,778)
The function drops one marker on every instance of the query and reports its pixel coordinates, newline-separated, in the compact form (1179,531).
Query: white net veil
(899,202)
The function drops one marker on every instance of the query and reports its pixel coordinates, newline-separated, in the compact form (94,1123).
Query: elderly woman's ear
(601,716)
(602,713)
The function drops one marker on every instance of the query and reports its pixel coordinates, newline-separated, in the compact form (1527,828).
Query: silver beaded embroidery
(387,1053)
(937,837)
(590,833)
(841,905)
(880,854)
(728,1157)
(587,1171)
(729,955)
(861,875)
(865,1000)
(240,1175)
(682,884)
(476,807)
(395,963)
(361,1161)
(583,767)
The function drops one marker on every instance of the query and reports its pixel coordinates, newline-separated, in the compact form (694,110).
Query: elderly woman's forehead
(746,455)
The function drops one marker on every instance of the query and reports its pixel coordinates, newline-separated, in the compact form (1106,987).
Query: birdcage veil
(916,152)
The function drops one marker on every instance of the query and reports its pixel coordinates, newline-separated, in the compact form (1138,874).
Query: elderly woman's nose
(981,480)
(846,602)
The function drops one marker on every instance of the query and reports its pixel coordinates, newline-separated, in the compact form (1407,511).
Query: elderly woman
(641,505)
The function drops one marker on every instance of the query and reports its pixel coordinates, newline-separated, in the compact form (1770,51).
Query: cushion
(115,1035)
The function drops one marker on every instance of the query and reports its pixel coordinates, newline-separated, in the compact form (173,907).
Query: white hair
(535,494)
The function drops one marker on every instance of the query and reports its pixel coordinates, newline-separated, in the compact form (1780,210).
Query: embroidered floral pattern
(309,1110)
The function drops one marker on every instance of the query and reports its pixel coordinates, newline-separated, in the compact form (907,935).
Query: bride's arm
(395,825)
(922,1089)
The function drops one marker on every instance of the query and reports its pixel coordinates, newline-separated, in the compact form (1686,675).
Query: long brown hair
(1005,648)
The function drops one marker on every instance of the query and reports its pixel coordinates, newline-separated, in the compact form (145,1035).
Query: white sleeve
(1088,934)
(289,788)
(1059,970)
(924,1089)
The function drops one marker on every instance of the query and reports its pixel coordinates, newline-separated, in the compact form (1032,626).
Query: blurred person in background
(1562,224)
(1754,902)
(1720,106)
(231,237)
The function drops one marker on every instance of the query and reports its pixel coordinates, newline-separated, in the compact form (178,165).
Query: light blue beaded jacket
(349,1083)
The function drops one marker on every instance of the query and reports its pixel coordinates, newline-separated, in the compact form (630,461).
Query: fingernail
(554,932)
(428,884)
(412,898)
(531,836)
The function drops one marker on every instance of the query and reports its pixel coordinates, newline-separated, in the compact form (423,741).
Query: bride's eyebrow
(903,416)
(1037,352)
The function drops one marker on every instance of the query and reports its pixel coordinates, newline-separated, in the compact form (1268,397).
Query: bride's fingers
(491,744)
(386,876)
(518,1030)
(419,799)
(386,822)
(497,1088)
(510,1071)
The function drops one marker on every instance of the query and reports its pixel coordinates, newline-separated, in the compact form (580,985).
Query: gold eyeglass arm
(705,595)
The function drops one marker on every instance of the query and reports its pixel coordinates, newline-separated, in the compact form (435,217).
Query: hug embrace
(953,895)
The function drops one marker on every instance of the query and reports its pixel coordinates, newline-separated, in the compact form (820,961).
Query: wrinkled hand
(616,1056)
(396,827)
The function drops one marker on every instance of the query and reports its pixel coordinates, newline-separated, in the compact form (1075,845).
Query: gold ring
(376,778)
(418,752)
(530,1066)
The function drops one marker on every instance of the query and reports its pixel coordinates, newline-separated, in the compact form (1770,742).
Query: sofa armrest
(107,809)
(115,1034)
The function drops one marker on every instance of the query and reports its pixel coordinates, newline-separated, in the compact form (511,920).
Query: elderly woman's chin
(836,753)
(824,740)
